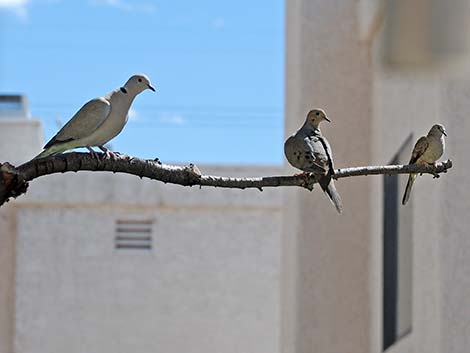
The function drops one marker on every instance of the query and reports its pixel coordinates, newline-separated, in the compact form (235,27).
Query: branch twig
(14,181)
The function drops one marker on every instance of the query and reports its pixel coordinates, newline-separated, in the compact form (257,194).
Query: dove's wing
(328,151)
(84,122)
(420,147)
(300,153)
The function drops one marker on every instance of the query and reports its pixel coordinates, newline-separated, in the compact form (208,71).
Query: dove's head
(438,130)
(138,83)
(315,116)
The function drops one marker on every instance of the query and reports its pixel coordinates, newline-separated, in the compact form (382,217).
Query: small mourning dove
(427,150)
(98,121)
(309,151)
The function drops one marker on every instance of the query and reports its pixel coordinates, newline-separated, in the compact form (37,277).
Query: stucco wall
(327,264)
(332,265)
(210,282)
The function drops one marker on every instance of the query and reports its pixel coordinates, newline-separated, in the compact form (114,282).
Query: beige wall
(454,242)
(328,268)
(332,265)
(7,278)
(20,139)
(210,283)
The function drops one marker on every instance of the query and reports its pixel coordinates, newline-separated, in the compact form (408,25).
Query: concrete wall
(210,282)
(20,140)
(454,240)
(332,265)
(327,266)
(7,279)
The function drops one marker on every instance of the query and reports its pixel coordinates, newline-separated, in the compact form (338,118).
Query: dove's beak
(151,87)
(445,133)
(326,118)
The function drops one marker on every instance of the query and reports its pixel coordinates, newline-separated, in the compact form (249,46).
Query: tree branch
(14,180)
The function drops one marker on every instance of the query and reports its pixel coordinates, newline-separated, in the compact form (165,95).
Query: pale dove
(309,151)
(98,121)
(428,149)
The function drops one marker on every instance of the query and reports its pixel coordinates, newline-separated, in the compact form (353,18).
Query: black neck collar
(123,90)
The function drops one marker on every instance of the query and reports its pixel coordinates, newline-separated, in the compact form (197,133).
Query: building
(20,136)
(97,262)
(380,276)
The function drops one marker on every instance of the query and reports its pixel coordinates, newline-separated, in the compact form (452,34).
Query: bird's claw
(108,154)
(303,174)
(93,153)
(306,180)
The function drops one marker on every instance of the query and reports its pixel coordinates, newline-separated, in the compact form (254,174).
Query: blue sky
(218,67)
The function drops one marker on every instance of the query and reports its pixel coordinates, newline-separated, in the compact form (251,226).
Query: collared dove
(427,150)
(309,151)
(98,121)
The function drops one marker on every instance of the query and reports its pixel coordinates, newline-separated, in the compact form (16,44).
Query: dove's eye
(140,80)
(317,113)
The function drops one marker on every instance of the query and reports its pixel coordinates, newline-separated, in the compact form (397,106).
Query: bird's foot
(93,153)
(306,180)
(303,174)
(111,155)
(108,154)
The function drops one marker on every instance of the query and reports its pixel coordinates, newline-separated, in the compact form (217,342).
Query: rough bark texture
(14,180)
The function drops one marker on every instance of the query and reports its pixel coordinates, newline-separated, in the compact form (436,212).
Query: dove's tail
(329,188)
(52,150)
(409,185)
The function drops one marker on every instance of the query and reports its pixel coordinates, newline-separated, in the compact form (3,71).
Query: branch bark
(14,180)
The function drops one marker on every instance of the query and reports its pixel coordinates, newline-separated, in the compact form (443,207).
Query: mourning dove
(427,150)
(98,121)
(309,151)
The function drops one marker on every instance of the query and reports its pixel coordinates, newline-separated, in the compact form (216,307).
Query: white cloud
(18,7)
(125,5)
(172,119)
(13,3)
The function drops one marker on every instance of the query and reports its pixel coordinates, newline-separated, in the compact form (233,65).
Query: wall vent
(133,234)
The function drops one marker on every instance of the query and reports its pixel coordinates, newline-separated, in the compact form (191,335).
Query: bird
(309,151)
(427,150)
(98,121)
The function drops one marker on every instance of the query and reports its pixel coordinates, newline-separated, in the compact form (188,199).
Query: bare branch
(394,169)
(14,181)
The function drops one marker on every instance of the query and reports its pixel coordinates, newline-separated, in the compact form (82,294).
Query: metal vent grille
(133,235)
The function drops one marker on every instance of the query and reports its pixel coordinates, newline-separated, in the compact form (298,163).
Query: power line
(193,107)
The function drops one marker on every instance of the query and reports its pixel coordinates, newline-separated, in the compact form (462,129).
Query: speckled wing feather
(418,150)
(300,153)
(84,122)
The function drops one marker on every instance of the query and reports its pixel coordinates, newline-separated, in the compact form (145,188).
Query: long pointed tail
(409,185)
(52,150)
(329,188)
